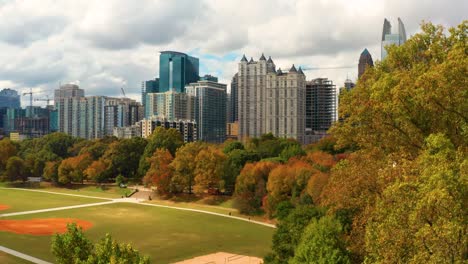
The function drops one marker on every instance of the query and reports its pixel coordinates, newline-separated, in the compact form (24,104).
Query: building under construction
(321,103)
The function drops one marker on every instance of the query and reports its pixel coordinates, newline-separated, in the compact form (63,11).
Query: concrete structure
(176,70)
(209,109)
(270,101)
(187,128)
(365,60)
(9,99)
(66,101)
(128,131)
(321,108)
(389,38)
(151,86)
(232,130)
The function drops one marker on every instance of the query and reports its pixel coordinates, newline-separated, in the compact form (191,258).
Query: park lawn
(92,190)
(220,209)
(10,259)
(105,191)
(21,200)
(166,235)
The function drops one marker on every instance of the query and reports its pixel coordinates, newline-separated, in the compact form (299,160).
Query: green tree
(110,251)
(7,150)
(16,169)
(51,171)
(169,139)
(418,90)
(291,151)
(321,243)
(184,166)
(232,145)
(71,247)
(422,217)
(123,156)
(288,233)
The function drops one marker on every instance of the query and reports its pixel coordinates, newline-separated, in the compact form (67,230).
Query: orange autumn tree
(97,170)
(209,169)
(160,172)
(251,186)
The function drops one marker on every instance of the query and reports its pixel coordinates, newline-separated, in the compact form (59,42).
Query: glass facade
(209,110)
(392,39)
(177,70)
(9,98)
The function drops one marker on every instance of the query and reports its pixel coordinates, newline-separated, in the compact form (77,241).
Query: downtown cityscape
(233,132)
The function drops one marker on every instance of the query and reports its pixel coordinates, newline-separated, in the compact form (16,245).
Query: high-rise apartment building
(365,60)
(9,99)
(93,116)
(209,109)
(270,101)
(151,86)
(176,70)
(389,38)
(171,105)
(187,128)
(321,105)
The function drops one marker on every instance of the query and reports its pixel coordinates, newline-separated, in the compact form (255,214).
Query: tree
(210,164)
(418,90)
(184,166)
(7,150)
(169,139)
(160,172)
(123,156)
(232,145)
(72,169)
(291,151)
(288,233)
(97,171)
(16,169)
(51,171)
(321,243)
(251,186)
(110,251)
(236,159)
(422,218)
(58,143)
(72,246)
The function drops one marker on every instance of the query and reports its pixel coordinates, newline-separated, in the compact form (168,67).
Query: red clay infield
(4,207)
(46,226)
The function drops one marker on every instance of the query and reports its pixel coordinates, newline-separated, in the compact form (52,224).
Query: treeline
(401,196)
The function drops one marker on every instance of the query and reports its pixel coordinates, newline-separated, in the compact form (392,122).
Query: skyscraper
(209,109)
(151,86)
(388,38)
(234,100)
(270,101)
(67,103)
(9,98)
(176,70)
(365,60)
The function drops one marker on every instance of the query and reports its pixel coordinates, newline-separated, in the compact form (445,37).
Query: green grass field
(9,259)
(19,200)
(166,235)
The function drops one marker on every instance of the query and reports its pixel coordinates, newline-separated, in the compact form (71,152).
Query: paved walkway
(23,256)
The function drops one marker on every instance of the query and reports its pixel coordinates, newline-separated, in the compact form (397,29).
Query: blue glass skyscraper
(176,70)
(388,38)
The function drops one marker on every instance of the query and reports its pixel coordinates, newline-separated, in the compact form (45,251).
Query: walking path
(68,194)
(23,256)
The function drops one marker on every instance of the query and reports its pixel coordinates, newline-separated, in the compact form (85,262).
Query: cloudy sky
(104,45)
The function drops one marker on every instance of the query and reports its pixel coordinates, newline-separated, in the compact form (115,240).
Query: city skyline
(105,48)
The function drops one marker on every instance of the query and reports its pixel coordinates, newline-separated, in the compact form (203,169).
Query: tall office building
(348,84)
(176,70)
(270,101)
(209,109)
(151,86)
(234,100)
(365,60)
(321,105)
(388,38)
(186,128)
(9,99)
(120,112)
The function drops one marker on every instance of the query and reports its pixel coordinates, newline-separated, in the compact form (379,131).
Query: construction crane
(30,93)
(123,92)
(44,99)
(326,68)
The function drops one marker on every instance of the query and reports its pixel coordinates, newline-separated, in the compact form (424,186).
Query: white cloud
(108,44)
